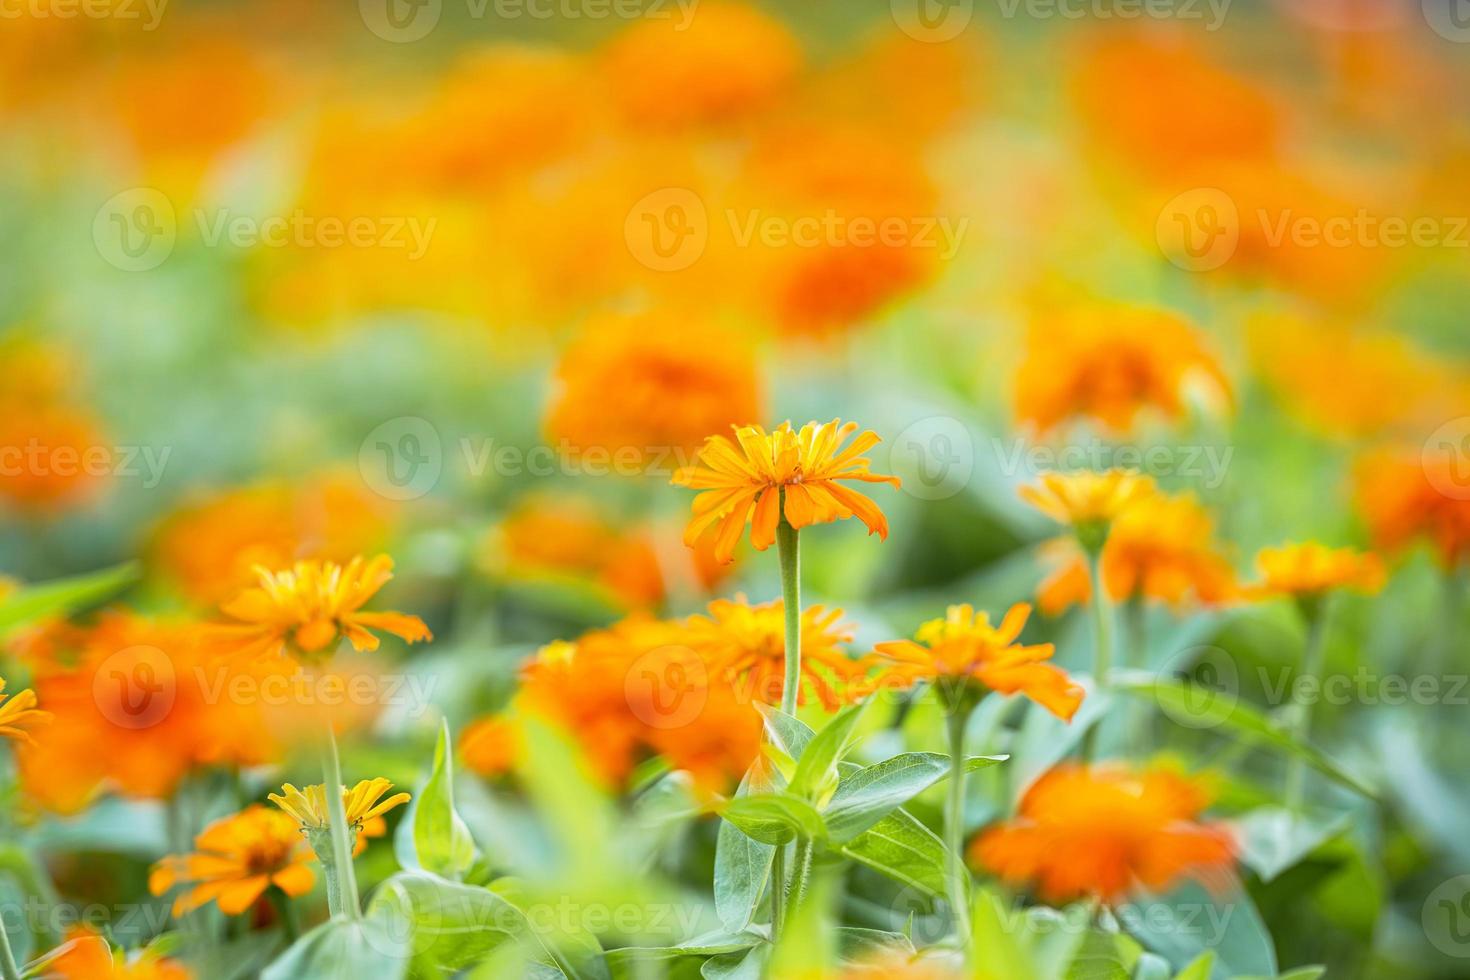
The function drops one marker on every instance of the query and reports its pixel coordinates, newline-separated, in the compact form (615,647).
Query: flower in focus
(617,386)
(787,474)
(1403,497)
(1088,502)
(18,712)
(965,647)
(745,647)
(308,608)
(363,803)
(1103,831)
(1161,547)
(1312,569)
(236,858)
(1112,363)
(85,955)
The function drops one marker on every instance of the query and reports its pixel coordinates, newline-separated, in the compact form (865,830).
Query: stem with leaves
(341,879)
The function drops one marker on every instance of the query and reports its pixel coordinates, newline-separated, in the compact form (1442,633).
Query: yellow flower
(18,711)
(309,607)
(237,858)
(1311,569)
(784,469)
(361,802)
(1088,502)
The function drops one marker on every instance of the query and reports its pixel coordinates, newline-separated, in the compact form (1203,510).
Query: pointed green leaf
(902,848)
(815,764)
(868,795)
(62,596)
(775,818)
(441,843)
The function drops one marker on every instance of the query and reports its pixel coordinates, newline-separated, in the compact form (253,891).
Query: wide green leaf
(788,733)
(32,603)
(449,925)
(1192,920)
(775,818)
(346,949)
(902,848)
(742,864)
(868,795)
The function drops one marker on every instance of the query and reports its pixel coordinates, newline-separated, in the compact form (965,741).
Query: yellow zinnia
(361,803)
(17,712)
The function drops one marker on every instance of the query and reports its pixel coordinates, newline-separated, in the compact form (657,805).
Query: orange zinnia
(1403,496)
(307,609)
(1088,502)
(18,712)
(1311,569)
(782,473)
(84,955)
(1104,831)
(490,745)
(236,859)
(745,647)
(965,647)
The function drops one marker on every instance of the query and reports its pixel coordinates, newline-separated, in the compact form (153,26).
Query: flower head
(1405,496)
(1312,569)
(363,804)
(85,955)
(745,647)
(761,477)
(1088,502)
(235,860)
(307,609)
(18,712)
(965,647)
(1104,830)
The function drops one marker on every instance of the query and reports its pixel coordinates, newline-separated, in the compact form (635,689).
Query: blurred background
(467,280)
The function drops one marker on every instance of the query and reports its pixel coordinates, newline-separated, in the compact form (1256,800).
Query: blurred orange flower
(1112,363)
(236,859)
(305,611)
(618,383)
(85,955)
(1160,547)
(18,713)
(965,647)
(51,455)
(783,474)
(490,745)
(1103,831)
(744,647)
(1311,569)
(1082,499)
(1417,494)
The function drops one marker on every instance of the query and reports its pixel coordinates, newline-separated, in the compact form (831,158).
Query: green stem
(778,890)
(1102,608)
(7,958)
(800,875)
(1301,715)
(954,829)
(789,553)
(347,900)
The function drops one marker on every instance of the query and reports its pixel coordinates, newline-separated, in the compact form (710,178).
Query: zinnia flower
(1088,502)
(1104,831)
(965,647)
(490,745)
(84,955)
(1402,498)
(783,473)
(362,803)
(311,606)
(18,712)
(236,859)
(1312,569)
(745,646)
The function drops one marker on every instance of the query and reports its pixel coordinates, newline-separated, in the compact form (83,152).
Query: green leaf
(902,848)
(775,818)
(866,796)
(1199,969)
(1191,920)
(709,945)
(22,878)
(440,842)
(448,925)
(815,764)
(749,965)
(788,733)
(62,596)
(345,949)
(1098,957)
(742,865)
(863,945)
(1242,718)
(1273,839)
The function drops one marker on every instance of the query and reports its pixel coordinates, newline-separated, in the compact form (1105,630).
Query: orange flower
(965,647)
(1088,502)
(490,745)
(1311,569)
(1110,363)
(745,647)
(1103,831)
(723,61)
(143,689)
(307,609)
(236,859)
(1161,547)
(51,456)
(617,382)
(1423,493)
(783,473)
(18,712)
(84,955)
